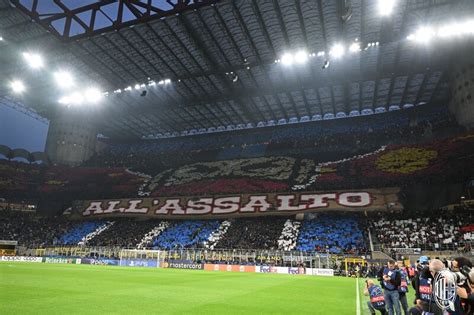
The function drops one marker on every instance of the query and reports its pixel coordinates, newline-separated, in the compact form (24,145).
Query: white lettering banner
(248,204)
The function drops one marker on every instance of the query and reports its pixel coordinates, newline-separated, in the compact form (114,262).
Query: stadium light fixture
(17,86)
(93,95)
(385,7)
(167,81)
(63,79)
(287,59)
(450,30)
(300,57)
(337,51)
(65,100)
(423,35)
(128,88)
(35,61)
(321,53)
(456,29)
(76,98)
(355,47)
(137,86)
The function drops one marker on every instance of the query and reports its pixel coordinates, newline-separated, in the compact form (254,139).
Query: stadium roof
(224,58)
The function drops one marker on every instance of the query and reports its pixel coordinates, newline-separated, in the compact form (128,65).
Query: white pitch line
(357,297)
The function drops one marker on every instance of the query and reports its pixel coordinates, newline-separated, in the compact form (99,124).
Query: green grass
(27,288)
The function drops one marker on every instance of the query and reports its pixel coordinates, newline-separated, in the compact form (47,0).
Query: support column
(72,137)
(462,90)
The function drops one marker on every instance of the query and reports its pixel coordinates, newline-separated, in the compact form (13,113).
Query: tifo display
(237,157)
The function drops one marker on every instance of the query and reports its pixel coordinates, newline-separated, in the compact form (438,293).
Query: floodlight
(301,56)
(423,35)
(66,100)
(167,81)
(17,86)
(287,59)
(456,29)
(1,38)
(118,91)
(76,98)
(321,53)
(386,7)
(337,51)
(151,83)
(64,79)
(128,88)
(355,47)
(469,27)
(137,86)
(93,95)
(35,61)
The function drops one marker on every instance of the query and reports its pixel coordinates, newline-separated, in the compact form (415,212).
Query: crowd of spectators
(281,158)
(253,233)
(31,230)
(124,232)
(329,140)
(289,235)
(324,233)
(76,234)
(332,234)
(427,232)
(186,234)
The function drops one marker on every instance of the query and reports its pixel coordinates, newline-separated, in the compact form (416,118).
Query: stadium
(236,157)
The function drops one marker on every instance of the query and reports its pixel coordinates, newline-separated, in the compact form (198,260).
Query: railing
(237,256)
(464,247)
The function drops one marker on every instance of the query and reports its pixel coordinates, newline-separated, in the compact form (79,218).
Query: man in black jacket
(425,301)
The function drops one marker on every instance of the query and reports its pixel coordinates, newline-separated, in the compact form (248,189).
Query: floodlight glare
(167,81)
(64,79)
(321,53)
(76,98)
(65,100)
(128,88)
(137,86)
(93,95)
(17,86)
(456,29)
(301,57)
(423,35)
(386,7)
(355,47)
(287,59)
(337,51)
(469,27)
(34,60)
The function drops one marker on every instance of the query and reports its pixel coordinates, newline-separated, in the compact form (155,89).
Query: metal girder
(244,95)
(138,12)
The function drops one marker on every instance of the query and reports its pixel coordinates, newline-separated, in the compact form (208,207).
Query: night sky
(18,130)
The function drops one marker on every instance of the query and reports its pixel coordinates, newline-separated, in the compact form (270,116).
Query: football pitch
(28,288)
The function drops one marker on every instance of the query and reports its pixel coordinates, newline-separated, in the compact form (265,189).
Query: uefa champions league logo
(444,289)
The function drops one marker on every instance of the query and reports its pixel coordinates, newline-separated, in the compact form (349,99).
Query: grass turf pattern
(28,288)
